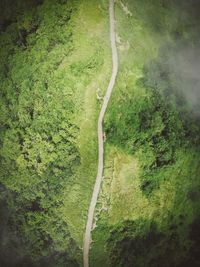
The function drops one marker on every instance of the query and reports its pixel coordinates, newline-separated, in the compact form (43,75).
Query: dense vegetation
(141,243)
(38,138)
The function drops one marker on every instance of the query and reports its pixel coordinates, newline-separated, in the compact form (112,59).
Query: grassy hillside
(55,65)
(149,209)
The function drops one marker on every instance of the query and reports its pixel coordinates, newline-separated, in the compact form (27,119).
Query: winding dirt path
(86,245)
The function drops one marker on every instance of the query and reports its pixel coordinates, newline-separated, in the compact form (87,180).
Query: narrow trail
(86,245)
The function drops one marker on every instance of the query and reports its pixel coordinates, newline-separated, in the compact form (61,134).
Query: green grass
(91,37)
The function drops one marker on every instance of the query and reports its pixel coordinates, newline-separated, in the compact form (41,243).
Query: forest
(54,57)
(39,151)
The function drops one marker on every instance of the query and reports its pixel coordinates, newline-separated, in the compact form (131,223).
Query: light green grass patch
(92,44)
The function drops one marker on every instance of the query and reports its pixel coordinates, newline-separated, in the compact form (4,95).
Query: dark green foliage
(193,257)
(14,252)
(11,10)
(38,138)
(149,123)
(140,243)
